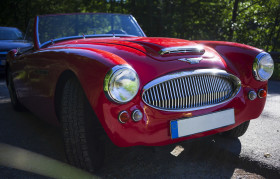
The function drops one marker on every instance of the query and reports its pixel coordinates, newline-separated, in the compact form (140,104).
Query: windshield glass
(10,34)
(53,27)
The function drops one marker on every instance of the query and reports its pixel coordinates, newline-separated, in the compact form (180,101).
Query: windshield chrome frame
(85,36)
(38,44)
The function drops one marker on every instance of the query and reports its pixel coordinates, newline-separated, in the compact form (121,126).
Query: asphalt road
(31,148)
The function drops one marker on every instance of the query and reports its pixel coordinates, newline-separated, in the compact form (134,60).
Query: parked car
(10,38)
(92,73)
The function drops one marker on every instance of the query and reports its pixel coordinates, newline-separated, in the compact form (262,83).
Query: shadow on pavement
(24,130)
(200,159)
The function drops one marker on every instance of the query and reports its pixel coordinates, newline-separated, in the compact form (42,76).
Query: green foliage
(253,22)
(276,72)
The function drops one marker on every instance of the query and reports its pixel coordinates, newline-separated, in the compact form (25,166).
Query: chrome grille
(191,90)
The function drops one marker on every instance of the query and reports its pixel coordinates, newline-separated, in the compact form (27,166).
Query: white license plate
(194,125)
(3,62)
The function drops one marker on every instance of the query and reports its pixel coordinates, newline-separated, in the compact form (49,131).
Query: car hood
(143,54)
(158,44)
(7,45)
(163,49)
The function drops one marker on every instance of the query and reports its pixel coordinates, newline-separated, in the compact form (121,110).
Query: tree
(253,22)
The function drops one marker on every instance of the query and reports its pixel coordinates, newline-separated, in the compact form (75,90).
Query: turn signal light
(137,115)
(252,95)
(124,117)
(262,93)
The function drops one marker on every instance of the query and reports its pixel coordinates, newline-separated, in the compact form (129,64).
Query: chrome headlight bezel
(258,66)
(111,76)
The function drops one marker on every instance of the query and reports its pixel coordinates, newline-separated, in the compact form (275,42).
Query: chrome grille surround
(191,90)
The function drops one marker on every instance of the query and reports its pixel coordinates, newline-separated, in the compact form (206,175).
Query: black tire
(13,95)
(237,131)
(81,129)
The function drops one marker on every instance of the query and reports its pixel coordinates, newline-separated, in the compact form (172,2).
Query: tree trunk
(276,40)
(122,6)
(233,19)
(272,33)
(111,6)
(269,42)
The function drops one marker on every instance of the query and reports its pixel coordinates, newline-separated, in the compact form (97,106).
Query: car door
(18,69)
(41,82)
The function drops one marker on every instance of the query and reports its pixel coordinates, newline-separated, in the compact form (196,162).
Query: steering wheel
(116,32)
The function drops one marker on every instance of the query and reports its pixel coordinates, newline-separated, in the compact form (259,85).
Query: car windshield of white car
(7,33)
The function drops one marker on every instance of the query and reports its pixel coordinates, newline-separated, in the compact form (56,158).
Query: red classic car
(99,72)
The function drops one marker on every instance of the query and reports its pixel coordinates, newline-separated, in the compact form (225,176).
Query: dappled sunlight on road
(25,160)
(4,100)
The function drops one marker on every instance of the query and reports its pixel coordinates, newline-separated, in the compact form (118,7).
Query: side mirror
(16,51)
(13,52)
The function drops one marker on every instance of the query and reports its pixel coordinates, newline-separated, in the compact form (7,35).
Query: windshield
(55,27)
(10,34)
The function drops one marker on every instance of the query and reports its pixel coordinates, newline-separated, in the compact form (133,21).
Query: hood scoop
(198,50)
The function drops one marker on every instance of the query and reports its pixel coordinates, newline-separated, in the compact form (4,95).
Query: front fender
(238,57)
(90,66)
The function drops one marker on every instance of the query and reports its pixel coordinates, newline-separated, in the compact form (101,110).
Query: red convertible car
(99,72)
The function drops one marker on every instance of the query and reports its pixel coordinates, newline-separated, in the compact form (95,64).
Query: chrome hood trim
(182,49)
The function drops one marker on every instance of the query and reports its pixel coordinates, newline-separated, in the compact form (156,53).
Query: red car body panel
(36,76)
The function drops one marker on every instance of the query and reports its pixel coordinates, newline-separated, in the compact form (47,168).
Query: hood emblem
(191,60)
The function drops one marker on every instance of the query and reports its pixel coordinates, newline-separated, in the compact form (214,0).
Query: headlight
(121,83)
(263,66)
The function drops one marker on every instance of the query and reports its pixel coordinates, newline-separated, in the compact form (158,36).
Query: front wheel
(80,127)
(237,131)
